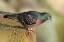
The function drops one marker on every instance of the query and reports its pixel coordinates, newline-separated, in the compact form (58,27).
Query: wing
(27,18)
(31,18)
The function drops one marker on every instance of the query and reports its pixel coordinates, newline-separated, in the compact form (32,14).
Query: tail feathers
(10,16)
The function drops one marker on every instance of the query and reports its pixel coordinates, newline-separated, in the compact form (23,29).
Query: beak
(50,17)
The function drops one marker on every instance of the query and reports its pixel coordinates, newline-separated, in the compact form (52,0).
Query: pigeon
(29,19)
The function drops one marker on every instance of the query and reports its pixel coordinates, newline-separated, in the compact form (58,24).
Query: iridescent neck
(43,16)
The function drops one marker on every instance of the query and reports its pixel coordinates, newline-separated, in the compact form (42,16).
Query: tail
(11,16)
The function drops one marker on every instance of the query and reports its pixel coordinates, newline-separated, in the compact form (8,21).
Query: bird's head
(46,16)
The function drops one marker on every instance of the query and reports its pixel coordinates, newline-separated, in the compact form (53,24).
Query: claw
(30,31)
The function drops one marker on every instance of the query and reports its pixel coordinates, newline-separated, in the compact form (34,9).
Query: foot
(30,31)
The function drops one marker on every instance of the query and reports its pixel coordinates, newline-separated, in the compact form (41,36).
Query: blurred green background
(50,31)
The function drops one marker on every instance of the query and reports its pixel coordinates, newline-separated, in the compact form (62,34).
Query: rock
(8,34)
(13,34)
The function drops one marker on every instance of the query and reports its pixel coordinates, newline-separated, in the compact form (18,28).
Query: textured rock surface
(9,34)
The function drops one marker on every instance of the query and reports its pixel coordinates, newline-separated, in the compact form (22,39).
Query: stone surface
(11,34)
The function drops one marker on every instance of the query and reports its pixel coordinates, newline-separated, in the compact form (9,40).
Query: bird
(29,19)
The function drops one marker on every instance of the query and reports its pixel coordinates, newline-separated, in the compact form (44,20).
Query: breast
(39,22)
